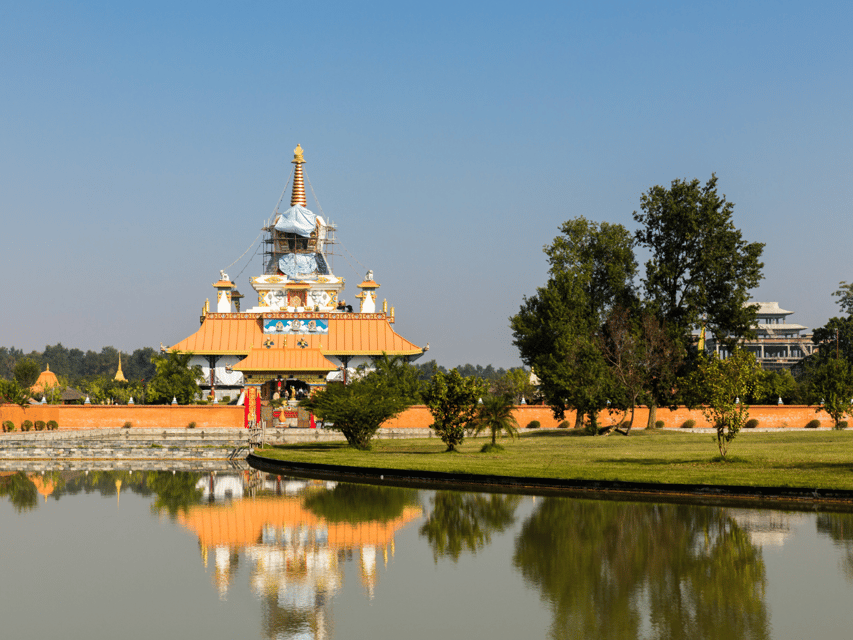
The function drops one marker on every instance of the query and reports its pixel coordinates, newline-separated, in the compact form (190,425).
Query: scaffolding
(322,243)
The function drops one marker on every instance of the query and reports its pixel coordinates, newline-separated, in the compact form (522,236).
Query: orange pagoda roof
(349,334)
(286,359)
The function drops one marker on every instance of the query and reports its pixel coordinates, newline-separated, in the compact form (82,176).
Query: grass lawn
(813,459)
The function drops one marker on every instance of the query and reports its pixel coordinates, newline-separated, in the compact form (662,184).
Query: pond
(239,553)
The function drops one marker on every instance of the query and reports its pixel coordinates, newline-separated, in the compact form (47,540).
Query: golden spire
(298,197)
(119,375)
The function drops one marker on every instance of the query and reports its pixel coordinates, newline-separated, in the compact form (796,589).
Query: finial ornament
(297,155)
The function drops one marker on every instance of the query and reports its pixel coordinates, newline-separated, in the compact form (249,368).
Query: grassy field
(813,459)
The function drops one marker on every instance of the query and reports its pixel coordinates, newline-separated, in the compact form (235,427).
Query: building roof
(770,309)
(285,358)
(349,334)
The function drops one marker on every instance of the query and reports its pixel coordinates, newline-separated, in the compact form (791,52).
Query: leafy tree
(723,386)
(27,372)
(13,393)
(495,414)
(516,384)
(832,381)
(845,297)
(452,401)
(834,339)
(399,377)
(175,378)
(592,268)
(640,355)
(175,491)
(428,369)
(358,409)
(772,385)
(700,266)
(104,388)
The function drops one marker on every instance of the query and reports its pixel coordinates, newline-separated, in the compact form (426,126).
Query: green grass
(821,459)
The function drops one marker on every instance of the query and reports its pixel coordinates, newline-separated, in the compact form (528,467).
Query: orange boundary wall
(768,416)
(76,417)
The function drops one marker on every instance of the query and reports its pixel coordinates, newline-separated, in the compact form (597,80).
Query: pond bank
(754,496)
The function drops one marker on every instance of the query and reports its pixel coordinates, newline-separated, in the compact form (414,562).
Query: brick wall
(416,417)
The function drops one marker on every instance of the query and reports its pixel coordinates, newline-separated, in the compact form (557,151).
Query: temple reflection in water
(296,556)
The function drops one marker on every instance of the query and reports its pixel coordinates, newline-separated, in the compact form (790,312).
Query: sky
(144,145)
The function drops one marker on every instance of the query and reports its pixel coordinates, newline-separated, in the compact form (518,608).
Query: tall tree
(592,268)
(700,265)
(495,414)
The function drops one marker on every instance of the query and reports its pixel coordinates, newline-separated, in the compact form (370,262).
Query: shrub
(689,424)
(191,425)
(813,424)
(659,424)
(841,425)
(52,425)
(563,425)
(40,425)
(8,426)
(127,425)
(533,424)
(28,425)
(751,424)
(491,448)
(226,399)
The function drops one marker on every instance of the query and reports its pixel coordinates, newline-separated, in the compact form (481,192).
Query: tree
(452,401)
(516,384)
(26,372)
(832,380)
(357,409)
(700,265)
(723,386)
(592,268)
(13,393)
(640,355)
(495,414)
(845,297)
(398,377)
(175,378)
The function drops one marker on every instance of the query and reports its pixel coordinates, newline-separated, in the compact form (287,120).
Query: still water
(242,554)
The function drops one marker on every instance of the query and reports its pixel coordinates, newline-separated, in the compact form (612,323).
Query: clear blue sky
(143,145)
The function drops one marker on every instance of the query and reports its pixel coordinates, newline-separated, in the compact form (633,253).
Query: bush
(28,424)
(813,424)
(226,399)
(751,424)
(127,425)
(491,448)
(8,426)
(659,424)
(191,425)
(689,424)
(52,425)
(841,425)
(563,425)
(40,425)
(533,424)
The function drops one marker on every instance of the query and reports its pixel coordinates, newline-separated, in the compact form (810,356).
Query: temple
(778,344)
(301,334)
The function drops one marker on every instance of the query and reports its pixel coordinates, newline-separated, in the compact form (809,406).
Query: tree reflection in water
(839,527)
(356,503)
(465,521)
(621,570)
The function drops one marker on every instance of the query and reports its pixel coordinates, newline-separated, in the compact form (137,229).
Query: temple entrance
(287,388)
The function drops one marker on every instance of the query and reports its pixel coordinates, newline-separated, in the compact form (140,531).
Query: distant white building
(778,344)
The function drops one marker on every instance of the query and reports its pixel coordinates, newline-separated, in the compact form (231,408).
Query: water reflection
(601,569)
(465,521)
(296,536)
(623,570)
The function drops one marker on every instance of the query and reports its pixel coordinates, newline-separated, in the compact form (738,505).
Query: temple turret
(298,196)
